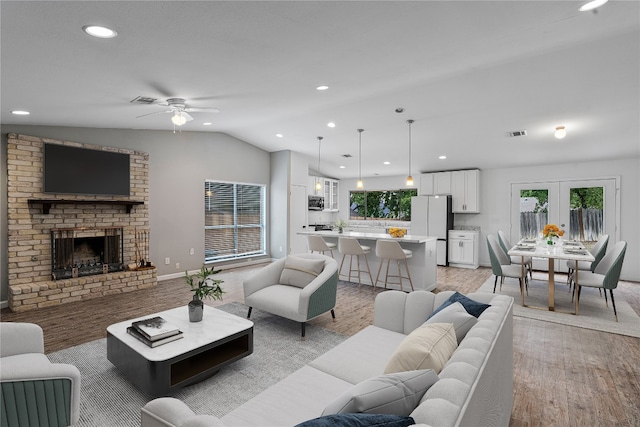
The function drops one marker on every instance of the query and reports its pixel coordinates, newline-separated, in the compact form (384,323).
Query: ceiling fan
(179,109)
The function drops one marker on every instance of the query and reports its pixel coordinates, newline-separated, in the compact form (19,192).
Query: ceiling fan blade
(187,116)
(202,110)
(155,112)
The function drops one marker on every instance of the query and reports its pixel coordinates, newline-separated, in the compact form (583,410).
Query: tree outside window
(382,205)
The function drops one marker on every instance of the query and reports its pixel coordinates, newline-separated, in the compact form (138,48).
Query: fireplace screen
(77,252)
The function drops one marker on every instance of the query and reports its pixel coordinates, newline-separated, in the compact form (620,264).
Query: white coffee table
(207,346)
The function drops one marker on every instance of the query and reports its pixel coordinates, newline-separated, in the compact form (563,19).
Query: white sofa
(475,387)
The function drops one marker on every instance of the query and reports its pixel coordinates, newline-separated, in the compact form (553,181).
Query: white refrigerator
(433,216)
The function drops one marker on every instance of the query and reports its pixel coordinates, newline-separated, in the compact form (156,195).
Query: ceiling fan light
(178,119)
(560,132)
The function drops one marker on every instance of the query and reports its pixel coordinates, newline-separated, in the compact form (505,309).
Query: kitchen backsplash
(466,227)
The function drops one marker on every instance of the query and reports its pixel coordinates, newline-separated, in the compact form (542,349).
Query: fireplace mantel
(47,203)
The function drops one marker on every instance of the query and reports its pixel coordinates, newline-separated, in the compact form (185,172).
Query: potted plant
(203,286)
(340,225)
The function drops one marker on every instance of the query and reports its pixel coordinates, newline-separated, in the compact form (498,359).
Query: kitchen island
(422,265)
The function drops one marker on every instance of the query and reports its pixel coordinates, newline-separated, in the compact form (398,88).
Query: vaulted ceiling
(467,72)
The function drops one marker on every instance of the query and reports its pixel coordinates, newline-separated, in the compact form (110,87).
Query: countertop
(408,238)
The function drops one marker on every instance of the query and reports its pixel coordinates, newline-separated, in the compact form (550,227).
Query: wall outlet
(167,261)
(177,266)
(192,251)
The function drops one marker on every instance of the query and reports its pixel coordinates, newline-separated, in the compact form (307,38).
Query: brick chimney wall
(29,229)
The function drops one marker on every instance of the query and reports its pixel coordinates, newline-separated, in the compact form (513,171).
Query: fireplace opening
(78,252)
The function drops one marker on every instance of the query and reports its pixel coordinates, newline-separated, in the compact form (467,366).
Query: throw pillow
(300,271)
(427,347)
(456,314)
(474,308)
(359,420)
(397,394)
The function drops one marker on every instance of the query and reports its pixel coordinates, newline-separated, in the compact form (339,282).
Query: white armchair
(299,287)
(34,391)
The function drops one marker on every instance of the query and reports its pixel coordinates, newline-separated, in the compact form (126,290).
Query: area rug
(593,313)
(108,399)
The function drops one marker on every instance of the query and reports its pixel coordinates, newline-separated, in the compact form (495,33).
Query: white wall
(495,197)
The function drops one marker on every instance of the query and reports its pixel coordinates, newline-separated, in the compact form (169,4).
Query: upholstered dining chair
(35,392)
(605,276)
(501,264)
(506,246)
(319,245)
(598,251)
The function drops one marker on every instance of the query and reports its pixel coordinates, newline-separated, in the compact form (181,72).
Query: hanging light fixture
(318,183)
(409,177)
(178,119)
(560,132)
(360,184)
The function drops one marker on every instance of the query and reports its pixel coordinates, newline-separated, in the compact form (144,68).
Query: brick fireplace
(65,248)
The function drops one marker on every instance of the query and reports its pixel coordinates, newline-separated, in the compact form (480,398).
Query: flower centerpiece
(397,232)
(340,225)
(551,232)
(203,286)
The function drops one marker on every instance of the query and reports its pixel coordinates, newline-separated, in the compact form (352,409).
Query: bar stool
(318,244)
(351,247)
(391,250)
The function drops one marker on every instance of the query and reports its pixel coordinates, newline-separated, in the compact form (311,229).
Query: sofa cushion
(397,394)
(300,271)
(428,347)
(456,314)
(474,308)
(359,420)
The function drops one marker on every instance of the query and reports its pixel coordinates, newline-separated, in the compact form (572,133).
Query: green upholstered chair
(34,392)
(288,288)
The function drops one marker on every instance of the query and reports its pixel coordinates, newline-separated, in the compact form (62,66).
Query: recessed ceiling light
(207,124)
(98,31)
(386,163)
(331,124)
(592,5)
(442,157)
(323,87)
(279,135)
(342,167)
(20,112)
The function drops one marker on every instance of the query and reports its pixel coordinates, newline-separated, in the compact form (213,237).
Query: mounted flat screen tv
(73,170)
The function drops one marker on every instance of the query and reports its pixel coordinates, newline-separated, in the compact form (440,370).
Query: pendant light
(318,183)
(560,132)
(409,177)
(360,184)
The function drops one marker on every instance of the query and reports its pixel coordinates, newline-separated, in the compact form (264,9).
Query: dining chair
(501,264)
(391,250)
(349,246)
(319,245)
(506,245)
(605,276)
(598,251)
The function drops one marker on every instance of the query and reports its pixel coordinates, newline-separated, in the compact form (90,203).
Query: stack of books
(154,331)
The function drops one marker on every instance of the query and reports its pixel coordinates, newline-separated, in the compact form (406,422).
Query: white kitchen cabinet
(463,248)
(435,183)
(465,189)
(331,193)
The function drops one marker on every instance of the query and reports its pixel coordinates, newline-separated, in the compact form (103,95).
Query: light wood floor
(563,376)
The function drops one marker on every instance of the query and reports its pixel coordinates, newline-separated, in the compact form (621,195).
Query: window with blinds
(234,220)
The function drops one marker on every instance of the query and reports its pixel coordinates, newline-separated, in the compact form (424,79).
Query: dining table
(570,250)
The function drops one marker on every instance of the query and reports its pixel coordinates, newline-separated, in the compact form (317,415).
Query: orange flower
(552,230)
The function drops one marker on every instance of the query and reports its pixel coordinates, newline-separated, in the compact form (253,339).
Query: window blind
(234,220)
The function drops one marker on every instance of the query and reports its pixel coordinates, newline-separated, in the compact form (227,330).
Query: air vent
(516,133)
(347,156)
(143,100)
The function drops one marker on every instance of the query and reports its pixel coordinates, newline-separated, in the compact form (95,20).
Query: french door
(584,209)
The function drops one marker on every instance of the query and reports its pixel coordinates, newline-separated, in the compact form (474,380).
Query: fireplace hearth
(79,252)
